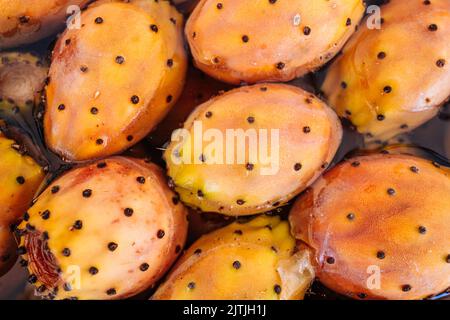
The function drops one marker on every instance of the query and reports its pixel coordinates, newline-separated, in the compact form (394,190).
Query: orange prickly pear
(111,82)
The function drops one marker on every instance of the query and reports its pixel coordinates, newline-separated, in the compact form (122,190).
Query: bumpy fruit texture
(107,230)
(22,77)
(384,83)
(199,88)
(282,138)
(28,21)
(20,177)
(252,261)
(258,41)
(381,220)
(112,81)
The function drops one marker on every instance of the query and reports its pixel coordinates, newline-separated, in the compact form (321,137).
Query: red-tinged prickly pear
(257,260)
(383,82)
(379,226)
(260,146)
(111,81)
(20,177)
(199,88)
(107,230)
(260,41)
(28,21)
(22,77)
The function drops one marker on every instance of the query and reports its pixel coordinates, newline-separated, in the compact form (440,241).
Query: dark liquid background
(432,140)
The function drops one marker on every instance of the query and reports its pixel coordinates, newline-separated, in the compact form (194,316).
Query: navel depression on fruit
(107,230)
(20,177)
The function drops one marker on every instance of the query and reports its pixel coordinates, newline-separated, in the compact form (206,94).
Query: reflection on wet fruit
(379,227)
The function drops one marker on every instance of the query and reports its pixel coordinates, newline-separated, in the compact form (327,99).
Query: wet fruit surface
(27,21)
(251,260)
(107,230)
(111,82)
(20,177)
(22,77)
(382,82)
(384,214)
(302,136)
(268,40)
(88,224)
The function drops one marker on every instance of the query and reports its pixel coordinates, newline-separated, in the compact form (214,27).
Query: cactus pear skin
(309,134)
(22,77)
(379,214)
(114,225)
(20,177)
(268,41)
(27,21)
(141,67)
(253,260)
(383,83)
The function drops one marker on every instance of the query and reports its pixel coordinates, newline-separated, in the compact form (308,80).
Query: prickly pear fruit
(259,147)
(22,77)
(20,177)
(27,21)
(253,260)
(111,81)
(260,41)
(199,88)
(383,83)
(107,230)
(379,226)
(447,143)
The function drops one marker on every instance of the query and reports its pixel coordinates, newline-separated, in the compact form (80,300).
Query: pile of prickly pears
(224,149)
